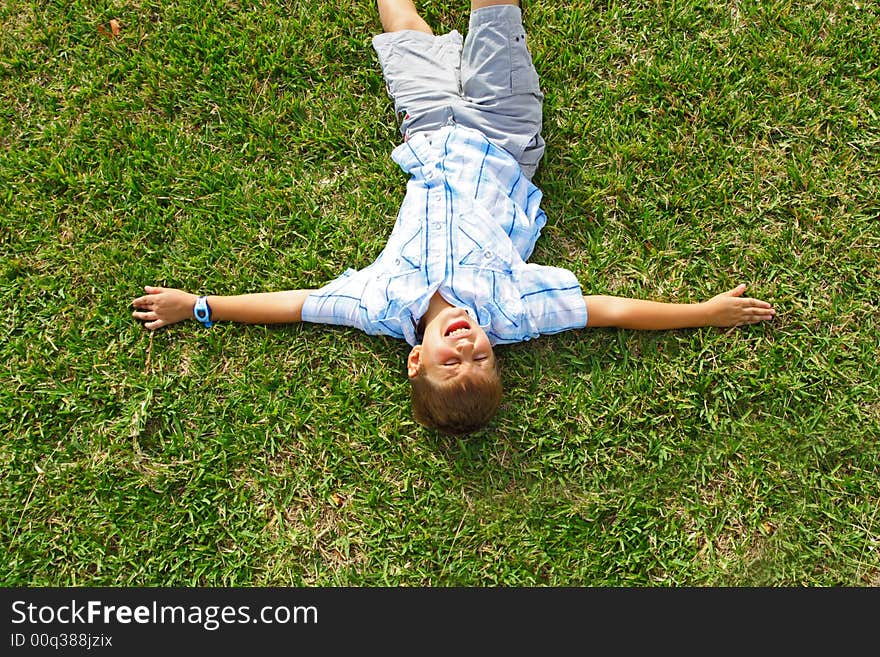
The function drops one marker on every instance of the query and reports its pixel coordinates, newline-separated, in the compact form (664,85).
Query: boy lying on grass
(453,279)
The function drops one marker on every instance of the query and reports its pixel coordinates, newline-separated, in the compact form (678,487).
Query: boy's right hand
(731,308)
(161,306)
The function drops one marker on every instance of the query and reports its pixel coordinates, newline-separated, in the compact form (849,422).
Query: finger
(738,290)
(147,316)
(760,316)
(149,289)
(159,323)
(748,305)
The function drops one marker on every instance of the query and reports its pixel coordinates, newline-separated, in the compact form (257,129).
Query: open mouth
(456,329)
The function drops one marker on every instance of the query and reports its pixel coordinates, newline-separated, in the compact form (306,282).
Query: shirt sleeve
(552,299)
(339,302)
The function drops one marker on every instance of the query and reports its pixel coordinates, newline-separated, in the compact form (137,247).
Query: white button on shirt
(466,227)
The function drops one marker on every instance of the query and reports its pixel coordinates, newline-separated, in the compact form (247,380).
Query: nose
(464,347)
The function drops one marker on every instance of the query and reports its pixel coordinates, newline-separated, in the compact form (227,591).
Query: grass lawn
(232,147)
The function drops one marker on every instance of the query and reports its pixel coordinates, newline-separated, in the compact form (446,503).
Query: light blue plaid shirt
(466,227)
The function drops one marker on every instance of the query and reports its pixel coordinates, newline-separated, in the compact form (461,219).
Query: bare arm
(162,306)
(726,309)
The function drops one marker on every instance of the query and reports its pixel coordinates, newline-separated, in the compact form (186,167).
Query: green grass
(231,147)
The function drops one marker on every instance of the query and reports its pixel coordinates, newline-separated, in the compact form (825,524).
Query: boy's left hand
(162,306)
(732,309)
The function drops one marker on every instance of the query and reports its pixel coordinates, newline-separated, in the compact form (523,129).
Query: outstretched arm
(726,309)
(162,306)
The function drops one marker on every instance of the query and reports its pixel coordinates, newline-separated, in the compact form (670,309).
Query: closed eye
(455,361)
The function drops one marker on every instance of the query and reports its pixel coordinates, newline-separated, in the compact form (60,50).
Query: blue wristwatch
(202,312)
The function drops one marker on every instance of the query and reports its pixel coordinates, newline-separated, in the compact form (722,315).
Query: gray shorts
(488,83)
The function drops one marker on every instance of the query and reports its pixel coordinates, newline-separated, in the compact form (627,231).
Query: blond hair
(456,407)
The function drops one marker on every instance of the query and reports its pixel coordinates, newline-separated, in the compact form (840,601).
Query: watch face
(201,310)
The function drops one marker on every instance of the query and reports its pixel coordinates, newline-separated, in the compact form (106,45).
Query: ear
(413,361)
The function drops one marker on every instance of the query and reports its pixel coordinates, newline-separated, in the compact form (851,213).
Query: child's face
(453,346)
